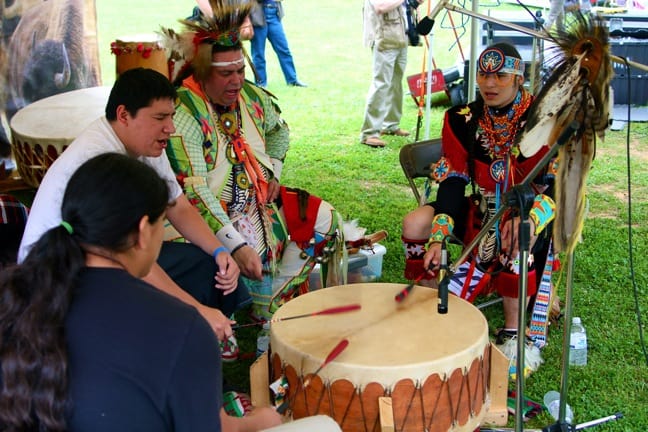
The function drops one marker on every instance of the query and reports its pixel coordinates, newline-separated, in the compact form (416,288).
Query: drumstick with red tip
(405,291)
(329,358)
(329,311)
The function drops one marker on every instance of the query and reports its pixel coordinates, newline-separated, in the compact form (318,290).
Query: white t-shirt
(98,138)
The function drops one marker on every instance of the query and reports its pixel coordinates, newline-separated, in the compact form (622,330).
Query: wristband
(238,247)
(218,250)
(542,212)
(442,226)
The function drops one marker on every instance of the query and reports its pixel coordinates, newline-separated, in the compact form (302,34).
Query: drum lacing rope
(348,407)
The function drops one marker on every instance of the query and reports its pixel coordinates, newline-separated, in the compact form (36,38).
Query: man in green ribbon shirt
(228,155)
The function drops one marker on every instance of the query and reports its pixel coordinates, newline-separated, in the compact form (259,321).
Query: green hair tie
(67,227)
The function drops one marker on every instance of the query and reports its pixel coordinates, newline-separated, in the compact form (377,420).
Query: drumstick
(329,311)
(329,358)
(405,292)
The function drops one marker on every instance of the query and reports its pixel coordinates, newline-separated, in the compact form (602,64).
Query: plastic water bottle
(577,344)
(263,339)
(552,402)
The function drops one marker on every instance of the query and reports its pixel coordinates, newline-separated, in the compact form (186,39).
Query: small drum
(144,50)
(43,129)
(435,368)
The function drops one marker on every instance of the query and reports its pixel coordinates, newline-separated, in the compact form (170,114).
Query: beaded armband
(542,212)
(442,226)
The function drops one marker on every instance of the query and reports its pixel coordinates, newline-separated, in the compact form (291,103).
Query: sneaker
(297,84)
(229,349)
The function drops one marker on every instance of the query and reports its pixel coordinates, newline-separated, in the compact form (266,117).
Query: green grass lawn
(368,184)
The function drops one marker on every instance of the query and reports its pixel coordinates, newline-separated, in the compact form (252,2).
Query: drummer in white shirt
(138,122)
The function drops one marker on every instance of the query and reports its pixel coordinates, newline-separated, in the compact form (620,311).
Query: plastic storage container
(374,259)
(364,266)
(635,50)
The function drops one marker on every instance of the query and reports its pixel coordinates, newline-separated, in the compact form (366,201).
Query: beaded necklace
(229,122)
(499,130)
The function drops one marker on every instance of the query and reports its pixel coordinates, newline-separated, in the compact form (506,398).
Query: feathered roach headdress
(213,22)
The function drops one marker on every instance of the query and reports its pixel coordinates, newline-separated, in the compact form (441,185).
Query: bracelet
(218,250)
(442,226)
(238,247)
(542,212)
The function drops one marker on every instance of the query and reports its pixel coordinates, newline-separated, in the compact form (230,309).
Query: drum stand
(522,196)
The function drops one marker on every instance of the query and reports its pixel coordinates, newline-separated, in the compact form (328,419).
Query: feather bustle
(578,90)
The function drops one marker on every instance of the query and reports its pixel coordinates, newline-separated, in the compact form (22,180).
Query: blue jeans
(193,270)
(274,32)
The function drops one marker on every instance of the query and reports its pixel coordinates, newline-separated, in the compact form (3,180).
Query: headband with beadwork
(493,60)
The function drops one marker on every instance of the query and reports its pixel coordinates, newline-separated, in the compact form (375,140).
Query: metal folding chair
(415,159)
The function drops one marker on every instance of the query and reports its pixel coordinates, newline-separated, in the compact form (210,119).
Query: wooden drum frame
(43,129)
(435,368)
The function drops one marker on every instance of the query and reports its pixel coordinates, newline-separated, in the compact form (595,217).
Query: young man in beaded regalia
(228,154)
(479,150)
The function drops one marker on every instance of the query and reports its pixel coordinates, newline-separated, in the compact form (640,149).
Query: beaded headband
(493,60)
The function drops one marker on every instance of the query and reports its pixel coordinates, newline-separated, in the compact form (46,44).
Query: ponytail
(104,201)
(35,299)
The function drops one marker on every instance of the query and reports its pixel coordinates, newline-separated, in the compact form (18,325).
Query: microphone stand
(444,280)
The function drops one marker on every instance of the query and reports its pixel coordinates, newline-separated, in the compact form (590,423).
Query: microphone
(444,280)
(425,25)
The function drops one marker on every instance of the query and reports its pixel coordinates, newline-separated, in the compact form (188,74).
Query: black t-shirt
(139,359)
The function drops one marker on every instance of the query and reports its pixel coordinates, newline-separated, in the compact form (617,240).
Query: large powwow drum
(43,129)
(435,367)
(143,50)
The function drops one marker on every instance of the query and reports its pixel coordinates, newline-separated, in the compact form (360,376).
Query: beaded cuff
(542,212)
(442,226)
